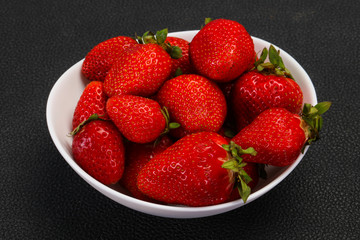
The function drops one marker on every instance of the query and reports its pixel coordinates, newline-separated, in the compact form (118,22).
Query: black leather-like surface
(42,198)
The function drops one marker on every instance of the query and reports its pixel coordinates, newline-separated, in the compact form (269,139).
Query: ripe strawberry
(139,119)
(93,100)
(181,65)
(279,136)
(222,50)
(256,91)
(98,149)
(140,70)
(99,60)
(137,155)
(194,102)
(191,172)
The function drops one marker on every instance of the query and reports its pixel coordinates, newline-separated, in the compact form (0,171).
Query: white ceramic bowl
(60,107)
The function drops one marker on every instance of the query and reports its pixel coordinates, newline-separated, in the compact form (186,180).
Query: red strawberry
(139,119)
(222,50)
(98,149)
(182,63)
(189,172)
(279,136)
(99,60)
(92,100)
(194,171)
(137,155)
(194,102)
(256,91)
(140,70)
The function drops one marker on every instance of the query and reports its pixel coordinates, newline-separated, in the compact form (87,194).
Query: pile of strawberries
(189,123)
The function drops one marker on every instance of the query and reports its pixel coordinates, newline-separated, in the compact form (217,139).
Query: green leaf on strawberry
(168,125)
(207,20)
(312,116)
(159,38)
(236,164)
(276,65)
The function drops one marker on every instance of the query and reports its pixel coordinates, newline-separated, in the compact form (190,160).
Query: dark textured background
(42,198)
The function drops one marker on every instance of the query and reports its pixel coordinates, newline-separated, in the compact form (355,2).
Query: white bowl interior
(59,112)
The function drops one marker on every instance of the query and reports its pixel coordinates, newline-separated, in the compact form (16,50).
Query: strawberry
(194,102)
(139,119)
(98,149)
(196,170)
(222,50)
(137,155)
(92,100)
(279,136)
(189,172)
(99,60)
(181,65)
(267,86)
(140,70)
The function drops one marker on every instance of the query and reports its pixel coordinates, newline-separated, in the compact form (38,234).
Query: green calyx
(178,72)
(168,125)
(312,116)
(275,66)
(207,20)
(93,117)
(160,39)
(236,165)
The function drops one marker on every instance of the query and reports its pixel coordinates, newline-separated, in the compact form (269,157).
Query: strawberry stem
(236,165)
(168,125)
(93,117)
